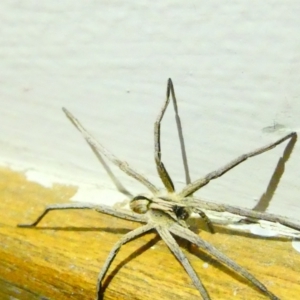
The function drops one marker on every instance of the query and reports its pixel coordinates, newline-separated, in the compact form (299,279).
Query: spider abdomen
(140,204)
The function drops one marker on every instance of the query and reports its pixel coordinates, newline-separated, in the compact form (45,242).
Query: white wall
(235,66)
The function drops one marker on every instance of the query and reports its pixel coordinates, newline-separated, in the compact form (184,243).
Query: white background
(235,66)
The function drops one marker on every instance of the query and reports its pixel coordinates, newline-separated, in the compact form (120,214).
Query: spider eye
(140,204)
(181,212)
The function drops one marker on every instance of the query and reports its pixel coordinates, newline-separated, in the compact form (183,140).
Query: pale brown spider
(166,211)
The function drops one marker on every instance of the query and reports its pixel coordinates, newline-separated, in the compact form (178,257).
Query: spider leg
(197,184)
(244,212)
(112,254)
(112,176)
(96,146)
(195,239)
(162,172)
(206,219)
(99,208)
(173,246)
(181,139)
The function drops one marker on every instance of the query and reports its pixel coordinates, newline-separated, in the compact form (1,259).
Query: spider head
(140,204)
(181,213)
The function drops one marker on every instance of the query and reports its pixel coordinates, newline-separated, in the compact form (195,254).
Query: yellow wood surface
(62,257)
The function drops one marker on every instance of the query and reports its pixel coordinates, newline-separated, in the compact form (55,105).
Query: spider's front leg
(131,216)
(197,184)
(112,254)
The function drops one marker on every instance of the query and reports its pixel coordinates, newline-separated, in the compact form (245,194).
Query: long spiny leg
(125,239)
(184,157)
(173,246)
(206,219)
(114,179)
(162,172)
(181,139)
(98,147)
(195,239)
(112,176)
(241,212)
(196,185)
(131,216)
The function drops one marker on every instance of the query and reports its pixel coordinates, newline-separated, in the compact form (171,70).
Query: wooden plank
(62,257)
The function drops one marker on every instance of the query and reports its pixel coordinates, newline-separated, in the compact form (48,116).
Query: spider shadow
(267,196)
(193,250)
(213,262)
(261,206)
(183,244)
(132,256)
(197,226)
(84,229)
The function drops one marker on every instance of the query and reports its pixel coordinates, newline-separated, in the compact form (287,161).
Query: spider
(166,211)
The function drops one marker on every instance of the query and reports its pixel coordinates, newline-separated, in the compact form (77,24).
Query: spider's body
(166,211)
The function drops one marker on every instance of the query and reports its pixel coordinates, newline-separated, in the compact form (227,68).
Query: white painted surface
(296,245)
(235,67)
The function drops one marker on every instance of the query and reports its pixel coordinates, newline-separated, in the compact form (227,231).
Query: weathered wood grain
(62,257)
